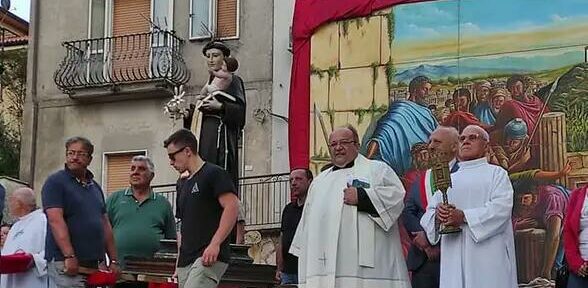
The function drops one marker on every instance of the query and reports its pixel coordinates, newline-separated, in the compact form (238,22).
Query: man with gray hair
(480,202)
(139,217)
(423,257)
(26,235)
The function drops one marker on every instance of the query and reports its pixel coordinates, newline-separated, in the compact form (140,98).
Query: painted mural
(520,73)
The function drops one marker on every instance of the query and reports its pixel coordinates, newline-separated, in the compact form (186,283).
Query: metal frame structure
(263,197)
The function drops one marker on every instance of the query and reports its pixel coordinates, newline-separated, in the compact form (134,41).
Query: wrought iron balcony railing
(263,197)
(150,56)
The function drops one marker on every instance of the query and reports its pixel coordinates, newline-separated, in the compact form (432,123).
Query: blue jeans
(575,281)
(288,278)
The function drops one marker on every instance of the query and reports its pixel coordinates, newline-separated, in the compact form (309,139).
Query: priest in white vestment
(480,200)
(348,234)
(26,235)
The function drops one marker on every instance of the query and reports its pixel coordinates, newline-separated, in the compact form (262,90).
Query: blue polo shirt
(83,208)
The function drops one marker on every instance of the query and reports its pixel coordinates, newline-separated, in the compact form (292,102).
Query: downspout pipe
(32,65)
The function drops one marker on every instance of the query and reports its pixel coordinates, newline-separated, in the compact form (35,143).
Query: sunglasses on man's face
(471,137)
(172,156)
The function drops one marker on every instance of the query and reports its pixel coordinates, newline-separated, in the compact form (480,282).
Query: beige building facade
(121,110)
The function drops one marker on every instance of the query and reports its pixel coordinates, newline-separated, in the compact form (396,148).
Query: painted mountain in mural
(437,72)
(431,71)
(521,63)
(484,66)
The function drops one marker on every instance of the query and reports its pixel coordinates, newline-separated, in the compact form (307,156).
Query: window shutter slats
(117,171)
(127,17)
(226,18)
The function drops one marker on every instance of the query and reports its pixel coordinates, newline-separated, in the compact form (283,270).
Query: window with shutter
(227,19)
(130,17)
(124,18)
(130,54)
(117,170)
(218,18)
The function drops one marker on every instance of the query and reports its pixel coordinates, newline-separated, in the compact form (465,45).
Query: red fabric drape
(308,16)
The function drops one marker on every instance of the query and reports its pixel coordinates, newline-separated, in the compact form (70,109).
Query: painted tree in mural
(12,81)
(571,97)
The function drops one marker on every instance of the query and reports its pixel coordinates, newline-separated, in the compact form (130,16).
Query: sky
(439,19)
(21,8)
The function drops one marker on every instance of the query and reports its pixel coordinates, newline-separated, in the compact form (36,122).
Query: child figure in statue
(222,78)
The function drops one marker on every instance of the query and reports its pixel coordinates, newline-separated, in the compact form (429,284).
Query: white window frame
(170,25)
(107,18)
(107,33)
(108,14)
(114,153)
(108,22)
(212,19)
(170,14)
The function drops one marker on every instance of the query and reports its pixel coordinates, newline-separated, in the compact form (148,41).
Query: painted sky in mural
(489,42)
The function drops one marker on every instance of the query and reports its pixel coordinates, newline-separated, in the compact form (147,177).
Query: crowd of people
(341,230)
(348,219)
(509,110)
(77,232)
(345,226)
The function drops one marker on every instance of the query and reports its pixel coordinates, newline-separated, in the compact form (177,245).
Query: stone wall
(137,124)
(579,175)
(348,83)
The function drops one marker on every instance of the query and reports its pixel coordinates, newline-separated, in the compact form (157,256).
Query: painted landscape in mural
(520,73)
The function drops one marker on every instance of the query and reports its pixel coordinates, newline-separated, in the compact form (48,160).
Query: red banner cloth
(309,15)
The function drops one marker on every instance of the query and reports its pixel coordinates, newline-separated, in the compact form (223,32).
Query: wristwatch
(71,256)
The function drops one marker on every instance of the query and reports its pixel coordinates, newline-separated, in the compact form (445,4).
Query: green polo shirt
(138,227)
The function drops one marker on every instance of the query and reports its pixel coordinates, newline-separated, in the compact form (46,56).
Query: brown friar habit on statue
(219,131)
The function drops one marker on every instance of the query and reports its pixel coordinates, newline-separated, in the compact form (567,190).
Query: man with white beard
(348,234)
(480,200)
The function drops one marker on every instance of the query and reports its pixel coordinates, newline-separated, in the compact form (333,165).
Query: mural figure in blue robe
(406,123)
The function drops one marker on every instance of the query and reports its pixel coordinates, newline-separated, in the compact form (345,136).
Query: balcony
(263,197)
(123,65)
